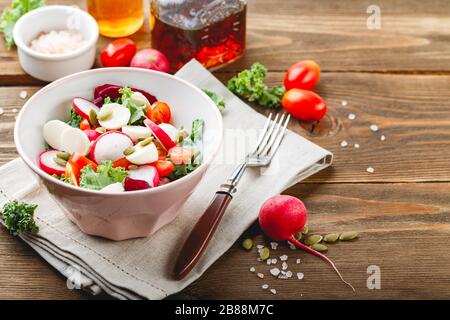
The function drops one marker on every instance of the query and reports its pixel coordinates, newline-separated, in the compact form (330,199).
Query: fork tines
(271,136)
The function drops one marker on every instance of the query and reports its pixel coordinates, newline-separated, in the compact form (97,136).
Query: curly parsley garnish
(250,85)
(18,217)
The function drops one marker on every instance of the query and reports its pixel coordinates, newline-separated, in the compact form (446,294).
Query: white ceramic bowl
(49,67)
(126,215)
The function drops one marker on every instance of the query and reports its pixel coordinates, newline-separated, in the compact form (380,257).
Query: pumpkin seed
(331,238)
(313,239)
(132,167)
(298,236)
(63,155)
(319,247)
(104,115)
(305,230)
(264,253)
(60,161)
(129,151)
(146,142)
(100,130)
(349,235)
(247,244)
(93,117)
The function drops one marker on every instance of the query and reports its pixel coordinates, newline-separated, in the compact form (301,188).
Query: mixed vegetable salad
(120,141)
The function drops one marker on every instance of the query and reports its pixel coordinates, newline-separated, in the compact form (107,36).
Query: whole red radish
(302,75)
(304,105)
(281,217)
(150,59)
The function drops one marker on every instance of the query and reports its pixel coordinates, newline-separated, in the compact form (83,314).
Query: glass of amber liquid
(117,18)
(211,31)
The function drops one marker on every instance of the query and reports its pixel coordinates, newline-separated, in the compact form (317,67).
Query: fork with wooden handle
(266,147)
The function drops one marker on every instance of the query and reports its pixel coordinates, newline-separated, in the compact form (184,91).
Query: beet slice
(112,91)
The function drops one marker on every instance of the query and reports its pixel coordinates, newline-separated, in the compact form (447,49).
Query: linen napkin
(141,268)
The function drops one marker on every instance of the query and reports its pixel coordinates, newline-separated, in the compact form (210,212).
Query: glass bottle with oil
(117,18)
(212,31)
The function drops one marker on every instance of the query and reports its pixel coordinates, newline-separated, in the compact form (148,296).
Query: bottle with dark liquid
(212,31)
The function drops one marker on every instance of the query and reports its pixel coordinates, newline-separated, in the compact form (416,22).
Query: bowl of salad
(120,149)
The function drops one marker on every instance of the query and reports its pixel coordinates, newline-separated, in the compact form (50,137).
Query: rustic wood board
(398,78)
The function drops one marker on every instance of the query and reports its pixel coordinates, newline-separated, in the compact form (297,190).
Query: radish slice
(119,117)
(137,132)
(115,187)
(53,131)
(48,164)
(91,134)
(140,99)
(110,146)
(83,107)
(170,130)
(165,140)
(75,140)
(147,173)
(134,185)
(143,155)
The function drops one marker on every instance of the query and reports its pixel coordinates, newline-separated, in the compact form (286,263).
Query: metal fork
(266,147)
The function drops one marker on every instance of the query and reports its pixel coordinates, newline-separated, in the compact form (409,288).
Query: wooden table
(397,77)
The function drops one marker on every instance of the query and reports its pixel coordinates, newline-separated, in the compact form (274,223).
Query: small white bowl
(49,67)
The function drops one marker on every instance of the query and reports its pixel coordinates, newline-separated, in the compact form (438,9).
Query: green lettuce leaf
(137,111)
(104,176)
(75,119)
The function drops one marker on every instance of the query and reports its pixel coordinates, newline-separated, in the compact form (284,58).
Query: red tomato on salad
(164,167)
(73,173)
(118,53)
(302,75)
(123,162)
(304,105)
(159,112)
(85,125)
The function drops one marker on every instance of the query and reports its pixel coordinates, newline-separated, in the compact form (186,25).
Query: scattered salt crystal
(283,275)
(370,170)
(274,261)
(15,110)
(260,275)
(269,262)
(383,137)
(23,94)
(273,291)
(274,245)
(352,116)
(356,145)
(283,257)
(284,266)
(252,269)
(297,261)
(344,144)
(1,111)
(289,274)
(259,246)
(258,259)
(344,103)
(275,272)
(265,286)
(374,127)
(300,275)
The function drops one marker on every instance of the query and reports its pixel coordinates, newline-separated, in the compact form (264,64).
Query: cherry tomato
(81,161)
(304,105)
(123,162)
(302,75)
(118,53)
(164,167)
(73,173)
(85,125)
(179,155)
(159,112)
(162,152)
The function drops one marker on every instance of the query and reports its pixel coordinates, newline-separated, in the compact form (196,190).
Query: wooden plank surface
(398,78)
(414,37)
